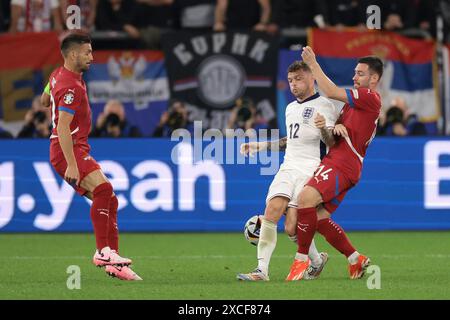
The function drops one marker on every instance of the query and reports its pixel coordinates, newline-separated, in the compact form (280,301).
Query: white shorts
(287,183)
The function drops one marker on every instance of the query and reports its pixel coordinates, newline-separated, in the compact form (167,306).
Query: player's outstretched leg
(309,198)
(267,239)
(335,235)
(104,255)
(318,260)
(266,245)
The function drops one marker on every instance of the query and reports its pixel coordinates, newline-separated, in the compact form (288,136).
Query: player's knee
(104,190)
(309,198)
(273,211)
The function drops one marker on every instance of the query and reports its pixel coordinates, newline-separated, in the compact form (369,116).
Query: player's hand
(72,176)
(219,26)
(340,130)
(319,121)
(100,120)
(164,118)
(259,27)
(250,148)
(308,55)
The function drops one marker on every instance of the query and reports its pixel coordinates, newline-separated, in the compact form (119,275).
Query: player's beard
(301,95)
(83,66)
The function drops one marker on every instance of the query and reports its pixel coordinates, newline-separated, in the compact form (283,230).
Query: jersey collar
(314,96)
(71,74)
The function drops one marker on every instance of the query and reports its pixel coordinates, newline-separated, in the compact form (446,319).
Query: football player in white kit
(305,145)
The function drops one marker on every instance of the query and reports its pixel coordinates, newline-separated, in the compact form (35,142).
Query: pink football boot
(108,257)
(122,272)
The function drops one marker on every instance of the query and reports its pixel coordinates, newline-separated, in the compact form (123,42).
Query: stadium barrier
(405,185)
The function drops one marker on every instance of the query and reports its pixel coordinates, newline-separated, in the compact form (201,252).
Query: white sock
(266,244)
(314,255)
(301,256)
(353,258)
(293,238)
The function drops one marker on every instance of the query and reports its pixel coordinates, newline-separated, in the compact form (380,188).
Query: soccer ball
(252,229)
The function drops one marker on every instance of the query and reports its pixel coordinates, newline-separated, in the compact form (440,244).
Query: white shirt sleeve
(331,114)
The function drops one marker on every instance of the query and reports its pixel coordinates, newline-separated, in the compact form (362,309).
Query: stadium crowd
(146,20)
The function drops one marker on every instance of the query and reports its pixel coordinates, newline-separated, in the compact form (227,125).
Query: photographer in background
(113,123)
(399,121)
(246,116)
(37,121)
(176,117)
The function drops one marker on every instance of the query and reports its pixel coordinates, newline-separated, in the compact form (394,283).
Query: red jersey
(68,94)
(359,116)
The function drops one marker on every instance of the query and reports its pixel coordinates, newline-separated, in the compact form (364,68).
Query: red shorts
(86,164)
(332,184)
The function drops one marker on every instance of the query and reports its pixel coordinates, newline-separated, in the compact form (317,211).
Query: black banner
(209,72)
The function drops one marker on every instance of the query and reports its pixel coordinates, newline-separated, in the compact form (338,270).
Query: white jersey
(305,148)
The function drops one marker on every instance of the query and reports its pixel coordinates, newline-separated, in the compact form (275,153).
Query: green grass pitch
(413,265)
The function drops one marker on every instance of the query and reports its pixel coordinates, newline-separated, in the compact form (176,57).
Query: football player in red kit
(69,152)
(340,169)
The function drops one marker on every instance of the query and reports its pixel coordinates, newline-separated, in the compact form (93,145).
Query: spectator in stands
(399,121)
(5,10)
(37,121)
(35,16)
(396,14)
(88,10)
(348,13)
(242,14)
(112,122)
(116,15)
(176,117)
(194,15)
(425,17)
(153,18)
(299,13)
(246,116)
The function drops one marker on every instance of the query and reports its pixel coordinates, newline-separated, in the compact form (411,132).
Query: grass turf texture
(414,265)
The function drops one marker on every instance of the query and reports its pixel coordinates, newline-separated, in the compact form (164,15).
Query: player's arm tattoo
(278,145)
(327,136)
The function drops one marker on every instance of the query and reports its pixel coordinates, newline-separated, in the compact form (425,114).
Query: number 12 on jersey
(293,130)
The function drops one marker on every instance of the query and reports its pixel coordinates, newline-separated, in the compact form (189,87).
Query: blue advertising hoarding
(405,185)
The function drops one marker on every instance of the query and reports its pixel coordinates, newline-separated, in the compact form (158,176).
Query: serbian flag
(26,61)
(136,78)
(409,68)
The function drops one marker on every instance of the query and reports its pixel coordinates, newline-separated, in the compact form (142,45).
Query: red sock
(306,228)
(335,236)
(113,230)
(100,213)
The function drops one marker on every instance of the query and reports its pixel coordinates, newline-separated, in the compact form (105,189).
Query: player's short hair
(375,64)
(73,39)
(298,65)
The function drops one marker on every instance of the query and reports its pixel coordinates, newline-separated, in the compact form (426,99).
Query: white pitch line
(195,257)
